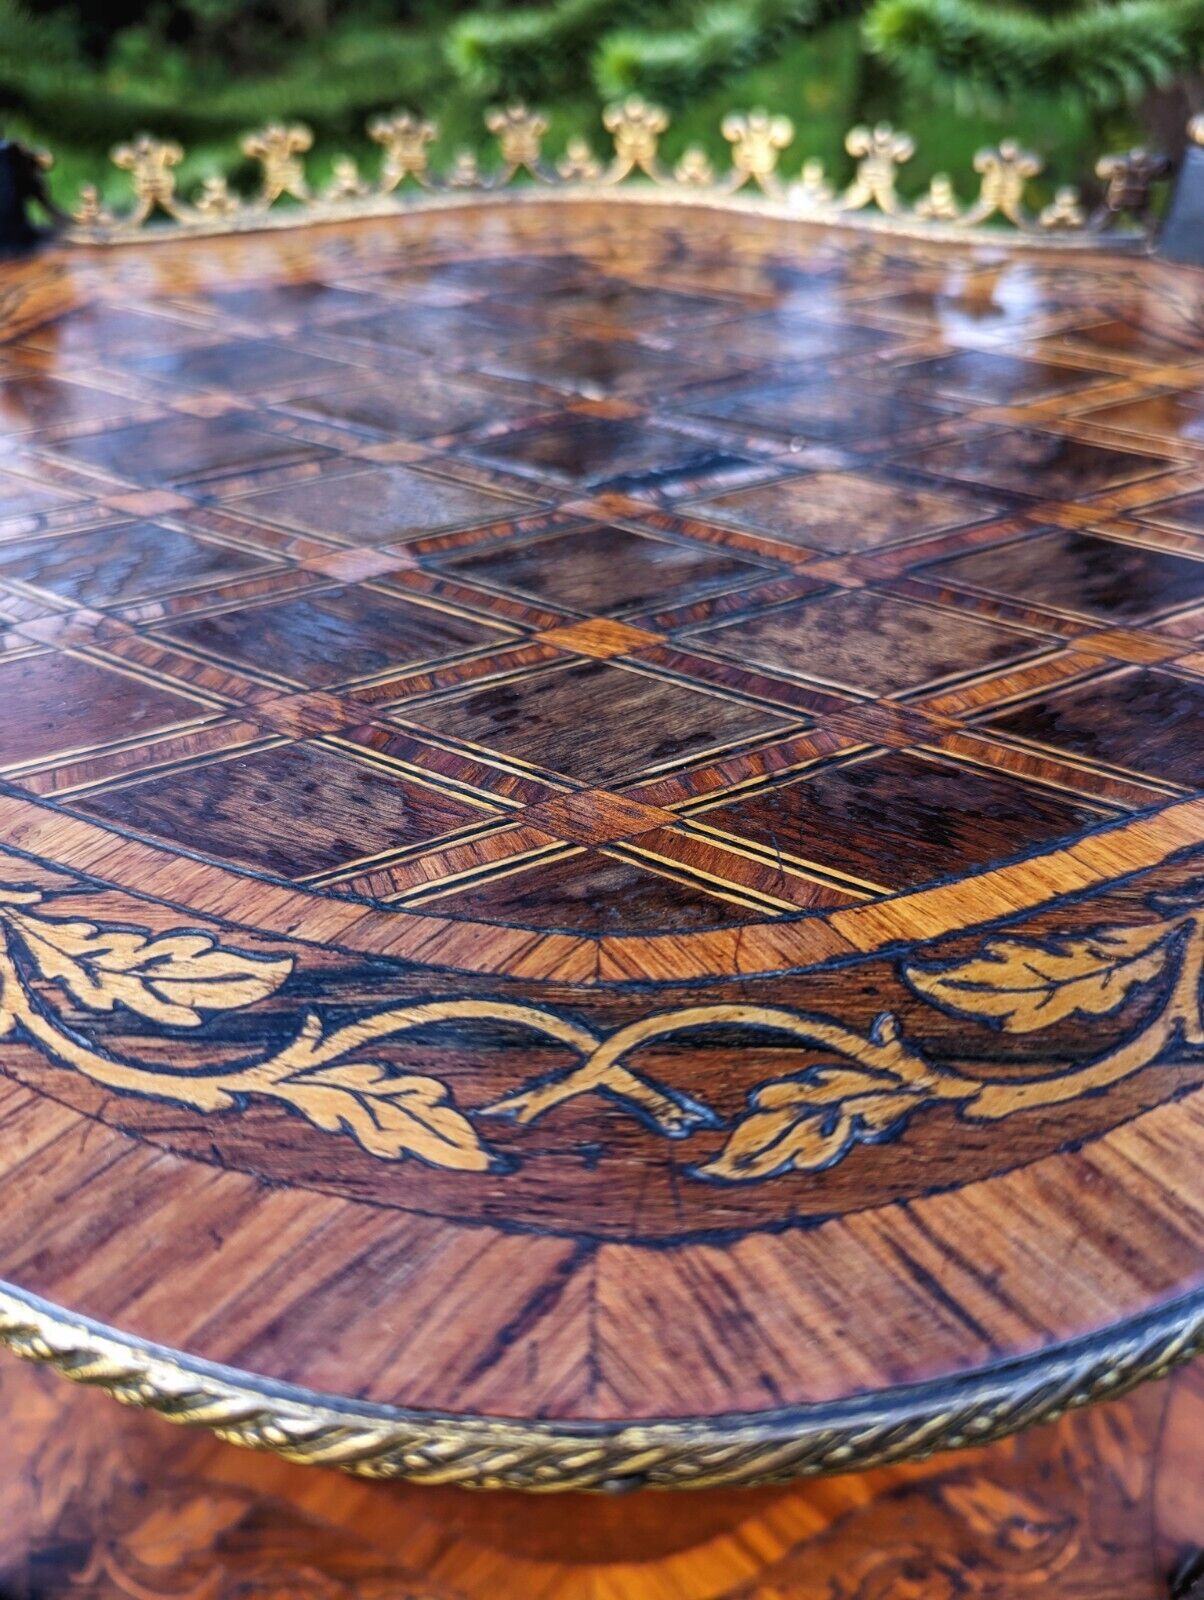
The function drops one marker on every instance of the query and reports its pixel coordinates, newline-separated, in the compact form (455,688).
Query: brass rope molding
(903,1424)
(758,140)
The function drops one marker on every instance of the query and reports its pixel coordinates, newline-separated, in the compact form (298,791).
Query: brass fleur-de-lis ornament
(151,164)
(940,202)
(90,211)
(519,134)
(1005,171)
(694,169)
(465,172)
(579,164)
(812,192)
(757,140)
(1064,212)
(405,140)
(1128,178)
(636,128)
(278,149)
(345,181)
(216,202)
(879,151)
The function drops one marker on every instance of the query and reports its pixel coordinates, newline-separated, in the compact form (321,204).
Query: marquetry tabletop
(602,811)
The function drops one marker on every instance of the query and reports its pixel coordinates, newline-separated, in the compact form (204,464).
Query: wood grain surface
(602,811)
(105,1505)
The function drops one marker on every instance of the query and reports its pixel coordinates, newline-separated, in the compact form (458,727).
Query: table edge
(903,1423)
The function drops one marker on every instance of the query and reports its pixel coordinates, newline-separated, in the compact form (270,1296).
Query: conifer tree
(1107,54)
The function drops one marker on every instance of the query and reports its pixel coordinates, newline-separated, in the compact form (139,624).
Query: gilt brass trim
(900,1424)
(754,182)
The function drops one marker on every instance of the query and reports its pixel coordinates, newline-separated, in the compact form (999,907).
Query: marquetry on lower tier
(603,837)
(758,143)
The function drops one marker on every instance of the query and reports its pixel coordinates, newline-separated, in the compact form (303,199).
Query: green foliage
(720,41)
(983,55)
(44,81)
(27,40)
(532,49)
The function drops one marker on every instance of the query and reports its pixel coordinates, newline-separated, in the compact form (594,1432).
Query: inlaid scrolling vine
(858,1087)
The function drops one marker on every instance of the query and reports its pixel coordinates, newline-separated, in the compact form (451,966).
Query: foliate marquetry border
(863,1088)
(476,1452)
(407,179)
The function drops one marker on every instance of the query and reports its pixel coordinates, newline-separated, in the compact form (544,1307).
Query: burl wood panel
(602,808)
(101,1505)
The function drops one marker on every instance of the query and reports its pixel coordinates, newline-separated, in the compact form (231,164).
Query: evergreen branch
(529,50)
(981,55)
(719,42)
(43,78)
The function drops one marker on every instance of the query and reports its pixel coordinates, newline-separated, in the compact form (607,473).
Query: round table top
(601,810)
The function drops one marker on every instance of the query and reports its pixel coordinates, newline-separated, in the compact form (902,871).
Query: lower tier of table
(98,1503)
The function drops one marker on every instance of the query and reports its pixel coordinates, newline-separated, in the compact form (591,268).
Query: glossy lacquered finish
(602,818)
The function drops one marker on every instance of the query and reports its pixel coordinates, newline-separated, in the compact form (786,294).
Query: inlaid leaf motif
(390,1116)
(170,978)
(1024,984)
(809,1123)
(863,1088)
(821,1085)
(767,1143)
